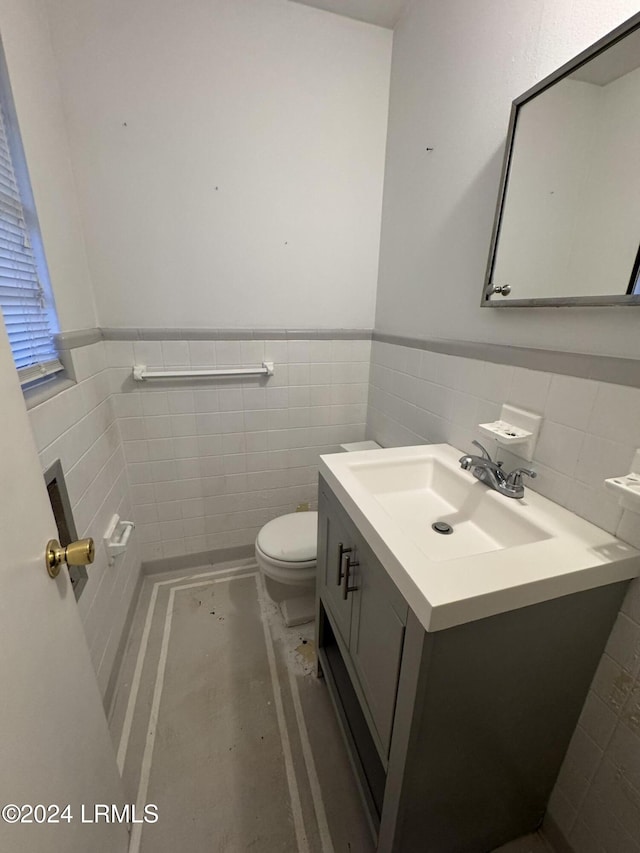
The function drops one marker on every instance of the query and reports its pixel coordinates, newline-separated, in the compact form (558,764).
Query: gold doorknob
(79,553)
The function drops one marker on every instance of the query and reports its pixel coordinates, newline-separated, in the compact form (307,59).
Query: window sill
(44,391)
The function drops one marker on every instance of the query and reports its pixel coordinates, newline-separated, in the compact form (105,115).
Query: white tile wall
(78,426)
(210,462)
(590,431)
(203,465)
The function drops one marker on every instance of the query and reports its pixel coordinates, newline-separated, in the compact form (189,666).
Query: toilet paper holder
(116,537)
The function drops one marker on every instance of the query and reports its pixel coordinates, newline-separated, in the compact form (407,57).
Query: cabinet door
(333,539)
(376,640)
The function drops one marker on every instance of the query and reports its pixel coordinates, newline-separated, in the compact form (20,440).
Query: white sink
(502,553)
(416,493)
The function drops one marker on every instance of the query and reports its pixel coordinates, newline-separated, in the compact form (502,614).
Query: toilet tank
(360,445)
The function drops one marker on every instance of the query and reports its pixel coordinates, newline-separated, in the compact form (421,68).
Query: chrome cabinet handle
(342,552)
(346,589)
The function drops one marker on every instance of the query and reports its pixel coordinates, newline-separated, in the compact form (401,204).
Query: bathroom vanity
(458,663)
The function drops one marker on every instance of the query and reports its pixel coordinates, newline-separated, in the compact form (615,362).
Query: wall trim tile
(112,334)
(77,338)
(602,368)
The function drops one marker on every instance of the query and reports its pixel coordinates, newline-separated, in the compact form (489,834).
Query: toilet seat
(286,548)
(293,574)
(285,565)
(290,538)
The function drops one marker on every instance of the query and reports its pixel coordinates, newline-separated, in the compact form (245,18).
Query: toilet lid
(291,538)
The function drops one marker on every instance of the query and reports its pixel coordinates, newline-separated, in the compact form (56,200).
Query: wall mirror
(567,228)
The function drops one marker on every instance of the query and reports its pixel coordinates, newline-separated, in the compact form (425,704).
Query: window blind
(26,308)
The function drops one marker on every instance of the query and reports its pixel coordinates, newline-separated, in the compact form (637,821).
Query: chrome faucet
(489,472)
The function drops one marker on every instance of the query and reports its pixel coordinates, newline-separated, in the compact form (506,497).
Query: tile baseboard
(201,558)
(109,693)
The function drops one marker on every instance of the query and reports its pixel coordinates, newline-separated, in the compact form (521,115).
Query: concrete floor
(219,720)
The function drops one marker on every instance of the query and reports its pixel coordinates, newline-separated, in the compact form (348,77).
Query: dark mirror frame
(555,302)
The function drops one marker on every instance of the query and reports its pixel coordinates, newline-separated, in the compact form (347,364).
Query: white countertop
(576,555)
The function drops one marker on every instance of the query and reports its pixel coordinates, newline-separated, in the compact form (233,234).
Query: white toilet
(286,551)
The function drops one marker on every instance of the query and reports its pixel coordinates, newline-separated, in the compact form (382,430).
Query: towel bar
(140,372)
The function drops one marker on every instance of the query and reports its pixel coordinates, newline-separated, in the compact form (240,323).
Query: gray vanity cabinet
(333,541)
(457,736)
(368,615)
(376,640)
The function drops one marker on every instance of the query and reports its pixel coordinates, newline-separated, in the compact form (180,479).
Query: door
(55,748)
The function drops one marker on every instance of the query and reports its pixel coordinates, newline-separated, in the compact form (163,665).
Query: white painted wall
(384,13)
(25,37)
(456,68)
(79,427)
(229,158)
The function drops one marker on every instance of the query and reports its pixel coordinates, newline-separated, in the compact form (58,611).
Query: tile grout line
(142,652)
(294,794)
(314,782)
(135,684)
(136,832)
(147,758)
(145,771)
(312,775)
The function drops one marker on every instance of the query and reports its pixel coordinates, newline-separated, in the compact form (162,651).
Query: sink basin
(418,493)
(501,553)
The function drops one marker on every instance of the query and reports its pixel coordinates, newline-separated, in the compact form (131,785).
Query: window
(25,294)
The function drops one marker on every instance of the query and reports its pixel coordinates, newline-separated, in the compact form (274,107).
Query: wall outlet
(303,507)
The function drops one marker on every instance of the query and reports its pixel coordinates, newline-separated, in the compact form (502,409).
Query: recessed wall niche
(61,506)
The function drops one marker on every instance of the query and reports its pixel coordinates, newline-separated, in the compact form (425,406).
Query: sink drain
(442,527)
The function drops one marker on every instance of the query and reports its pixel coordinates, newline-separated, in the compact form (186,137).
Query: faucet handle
(514,478)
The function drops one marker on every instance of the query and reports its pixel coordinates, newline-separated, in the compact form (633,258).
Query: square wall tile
(559,447)
(202,353)
(529,389)
(616,414)
(175,353)
(601,458)
(571,401)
